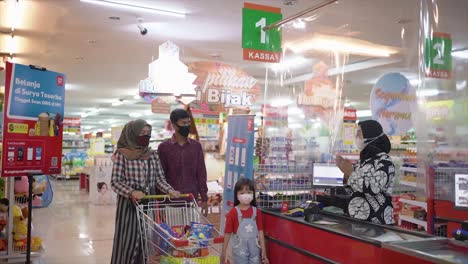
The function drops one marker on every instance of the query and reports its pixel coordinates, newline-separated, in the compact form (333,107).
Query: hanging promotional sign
(349,126)
(320,97)
(392,100)
(224,86)
(438,56)
(33,121)
(258,44)
(239,157)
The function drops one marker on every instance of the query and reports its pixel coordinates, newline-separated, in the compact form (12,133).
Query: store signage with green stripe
(438,56)
(258,44)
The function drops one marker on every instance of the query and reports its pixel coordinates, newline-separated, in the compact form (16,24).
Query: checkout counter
(334,238)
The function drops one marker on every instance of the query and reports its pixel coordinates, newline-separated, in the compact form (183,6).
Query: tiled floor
(72,229)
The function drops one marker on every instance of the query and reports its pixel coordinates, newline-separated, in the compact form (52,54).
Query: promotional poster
(33,121)
(239,164)
(392,103)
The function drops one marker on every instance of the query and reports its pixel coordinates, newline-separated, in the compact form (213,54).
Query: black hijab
(372,132)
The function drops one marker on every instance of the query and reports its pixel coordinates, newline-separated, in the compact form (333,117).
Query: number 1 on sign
(262,23)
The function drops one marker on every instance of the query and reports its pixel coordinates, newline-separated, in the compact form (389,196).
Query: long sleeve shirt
(371,187)
(131,175)
(184,166)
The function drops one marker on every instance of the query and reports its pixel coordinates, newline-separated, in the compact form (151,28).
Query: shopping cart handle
(164,196)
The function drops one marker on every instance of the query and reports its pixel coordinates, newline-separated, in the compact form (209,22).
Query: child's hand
(265,260)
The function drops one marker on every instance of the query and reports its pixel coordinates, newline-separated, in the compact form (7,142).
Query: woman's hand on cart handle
(137,195)
(174,194)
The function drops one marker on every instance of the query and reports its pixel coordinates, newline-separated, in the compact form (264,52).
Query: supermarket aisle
(74,231)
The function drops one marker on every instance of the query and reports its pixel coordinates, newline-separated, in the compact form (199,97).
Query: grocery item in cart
(201,232)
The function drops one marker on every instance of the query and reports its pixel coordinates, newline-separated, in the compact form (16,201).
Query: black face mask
(184,130)
(143,141)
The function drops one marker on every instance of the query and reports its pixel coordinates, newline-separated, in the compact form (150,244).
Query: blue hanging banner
(239,157)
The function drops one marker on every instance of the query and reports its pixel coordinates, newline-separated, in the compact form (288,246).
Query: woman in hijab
(136,173)
(370,181)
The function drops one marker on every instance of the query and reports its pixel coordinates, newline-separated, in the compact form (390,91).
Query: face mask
(143,141)
(245,198)
(184,130)
(359,142)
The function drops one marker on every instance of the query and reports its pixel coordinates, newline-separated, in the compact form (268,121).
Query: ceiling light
(347,104)
(13,13)
(363,113)
(299,24)
(289,63)
(462,54)
(11,45)
(461,85)
(135,7)
(341,44)
(168,75)
(427,93)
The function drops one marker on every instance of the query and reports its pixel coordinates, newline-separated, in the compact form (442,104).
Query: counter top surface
(355,229)
(434,249)
(437,250)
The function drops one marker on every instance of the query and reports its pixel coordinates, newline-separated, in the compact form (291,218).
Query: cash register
(329,176)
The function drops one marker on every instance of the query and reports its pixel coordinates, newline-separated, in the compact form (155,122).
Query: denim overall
(245,247)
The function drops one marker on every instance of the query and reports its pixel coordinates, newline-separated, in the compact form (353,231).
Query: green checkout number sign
(258,44)
(438,56)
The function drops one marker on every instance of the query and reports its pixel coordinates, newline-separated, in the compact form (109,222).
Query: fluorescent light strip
(135,7)
(341,44)
(462,54)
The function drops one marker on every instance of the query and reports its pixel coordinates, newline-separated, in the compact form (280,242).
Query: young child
(244,227)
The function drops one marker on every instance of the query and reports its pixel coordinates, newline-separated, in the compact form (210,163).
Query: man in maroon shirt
(183,161)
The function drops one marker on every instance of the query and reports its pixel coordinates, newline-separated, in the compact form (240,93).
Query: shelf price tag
(260,45)
(438,56)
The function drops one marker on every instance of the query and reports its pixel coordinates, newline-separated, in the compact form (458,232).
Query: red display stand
(291,240)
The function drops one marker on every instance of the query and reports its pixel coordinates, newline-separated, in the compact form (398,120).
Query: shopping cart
(175,231)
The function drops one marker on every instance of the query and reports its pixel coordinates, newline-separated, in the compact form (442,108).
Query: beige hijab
(127,142)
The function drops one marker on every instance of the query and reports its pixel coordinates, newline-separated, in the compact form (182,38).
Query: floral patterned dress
(371,187)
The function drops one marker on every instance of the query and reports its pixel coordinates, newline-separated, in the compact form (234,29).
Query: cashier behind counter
(371,180)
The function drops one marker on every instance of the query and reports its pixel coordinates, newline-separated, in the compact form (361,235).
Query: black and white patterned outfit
(371,186)
(127,176)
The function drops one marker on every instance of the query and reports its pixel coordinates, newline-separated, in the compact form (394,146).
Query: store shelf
(415,203)
(409,169)
(407,183)
(413,220)
(70,147)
